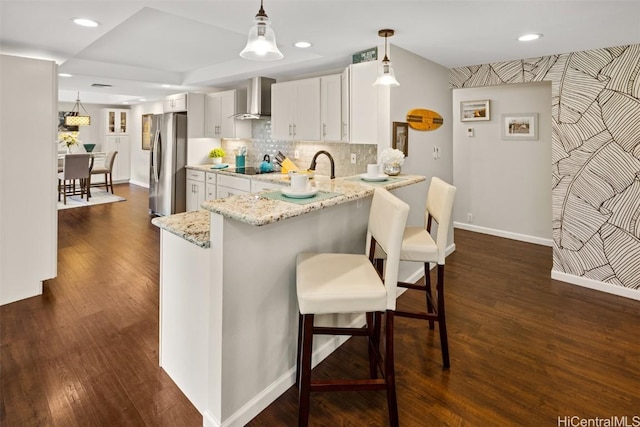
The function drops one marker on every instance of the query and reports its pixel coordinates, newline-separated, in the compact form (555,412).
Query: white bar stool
(419,246)
(349,283)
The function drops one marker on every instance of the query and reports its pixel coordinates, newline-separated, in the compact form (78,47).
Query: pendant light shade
(74,118)
(386,76)
(261,44)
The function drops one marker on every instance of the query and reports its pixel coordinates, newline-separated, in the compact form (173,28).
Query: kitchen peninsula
(228,310)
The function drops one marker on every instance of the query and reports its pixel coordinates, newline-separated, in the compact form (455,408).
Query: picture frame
(475,111)
(520,126)
(400,140)
(146,131)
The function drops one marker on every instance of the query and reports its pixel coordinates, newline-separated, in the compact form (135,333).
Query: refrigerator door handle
(157,149)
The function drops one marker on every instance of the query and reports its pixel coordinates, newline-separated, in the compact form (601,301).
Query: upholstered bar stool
(419,246)
(106,170)
(75,167)
(330,283)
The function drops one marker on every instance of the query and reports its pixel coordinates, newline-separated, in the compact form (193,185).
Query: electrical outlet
(353,158)
(296,154)
(469,217)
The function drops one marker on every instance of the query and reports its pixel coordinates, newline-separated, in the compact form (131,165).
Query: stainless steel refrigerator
(167,173)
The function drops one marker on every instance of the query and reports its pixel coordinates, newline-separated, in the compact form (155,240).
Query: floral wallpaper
(595,172)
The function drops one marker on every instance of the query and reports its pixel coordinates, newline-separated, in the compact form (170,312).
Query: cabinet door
(364,103)
(345,135)
(123,121)
(306,108)
(212,119)
(282,111)
(227,110)
(195,194)
(122,164)
(331,107)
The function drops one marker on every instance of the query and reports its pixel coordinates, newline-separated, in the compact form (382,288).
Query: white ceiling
(190,45)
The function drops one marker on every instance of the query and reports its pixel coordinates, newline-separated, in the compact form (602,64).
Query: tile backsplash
(262,144)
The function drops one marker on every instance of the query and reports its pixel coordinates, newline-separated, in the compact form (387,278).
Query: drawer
(242,184)
(211,177)
(195,175)
(257,186)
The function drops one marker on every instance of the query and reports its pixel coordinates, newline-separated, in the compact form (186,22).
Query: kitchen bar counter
(229,313)
(191,226)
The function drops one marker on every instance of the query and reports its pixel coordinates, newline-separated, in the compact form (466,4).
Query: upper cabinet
(369,109)
(295,110)
(116,121)
(193,105)
(220,109)
(331,107)
(175,103)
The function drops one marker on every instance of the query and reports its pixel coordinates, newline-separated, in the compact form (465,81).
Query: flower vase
(391,168)
(216,160)
(68,149)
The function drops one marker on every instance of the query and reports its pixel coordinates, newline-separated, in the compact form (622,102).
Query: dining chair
(419,246)
(106,169)
(75,167)
(335,283)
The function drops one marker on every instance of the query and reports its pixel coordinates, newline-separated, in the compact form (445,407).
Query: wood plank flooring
(525,349)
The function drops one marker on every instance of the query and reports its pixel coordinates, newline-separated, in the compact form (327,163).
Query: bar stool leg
(428,296)
(304,391)
(389,369)
(299,353)
(442,324)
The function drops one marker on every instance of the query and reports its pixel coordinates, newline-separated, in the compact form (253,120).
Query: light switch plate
(469,131)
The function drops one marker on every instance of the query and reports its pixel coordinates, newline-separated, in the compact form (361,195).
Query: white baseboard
(139,183)
(596,284)
(506,234)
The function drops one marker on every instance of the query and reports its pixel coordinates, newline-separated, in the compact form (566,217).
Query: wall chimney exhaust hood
(258,99)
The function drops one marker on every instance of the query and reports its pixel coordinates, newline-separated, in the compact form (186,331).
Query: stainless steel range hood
(258,99)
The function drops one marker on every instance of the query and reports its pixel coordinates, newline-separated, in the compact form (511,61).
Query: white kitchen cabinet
(115,121)
(195,189)
(331,107)
(231,185)
(295,110)
(257,186)
(210,186)
(369,106)
(220,108)
(122,164)
(175,103)
(345,86)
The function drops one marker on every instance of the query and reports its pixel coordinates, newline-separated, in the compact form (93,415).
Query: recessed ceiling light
(64,75)
(85,22)
(125,102)
(142,99)
(166,85)
(529,37)
(302,45)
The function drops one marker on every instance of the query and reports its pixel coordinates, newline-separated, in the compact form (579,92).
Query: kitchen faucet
(315,157)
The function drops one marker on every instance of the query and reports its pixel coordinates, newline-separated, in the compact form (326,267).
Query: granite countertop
(258,210)
(191,226)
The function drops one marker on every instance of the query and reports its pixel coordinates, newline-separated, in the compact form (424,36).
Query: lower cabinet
(210,186)
(195,189)
(232,185)
(258,186)
(122,164)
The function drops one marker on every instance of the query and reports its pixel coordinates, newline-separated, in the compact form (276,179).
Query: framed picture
(520,126)
(475,111)
(146,131)
(401,137)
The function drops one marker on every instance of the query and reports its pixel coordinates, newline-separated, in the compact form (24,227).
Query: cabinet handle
(294,129)
(290,127)
(324,129)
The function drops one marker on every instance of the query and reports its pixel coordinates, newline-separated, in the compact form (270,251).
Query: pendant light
(261,44)
(386,76)
(74,118)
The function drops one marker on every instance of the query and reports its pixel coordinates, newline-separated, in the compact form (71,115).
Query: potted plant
(216,155)
(392,159)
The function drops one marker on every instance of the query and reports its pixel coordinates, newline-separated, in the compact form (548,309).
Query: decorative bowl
(89,147)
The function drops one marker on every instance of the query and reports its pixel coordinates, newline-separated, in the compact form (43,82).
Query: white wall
(504,184)
(28,209)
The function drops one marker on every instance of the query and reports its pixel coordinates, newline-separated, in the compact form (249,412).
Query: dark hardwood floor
(525,349)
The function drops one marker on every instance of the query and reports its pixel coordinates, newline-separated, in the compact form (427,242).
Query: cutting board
(420,119)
